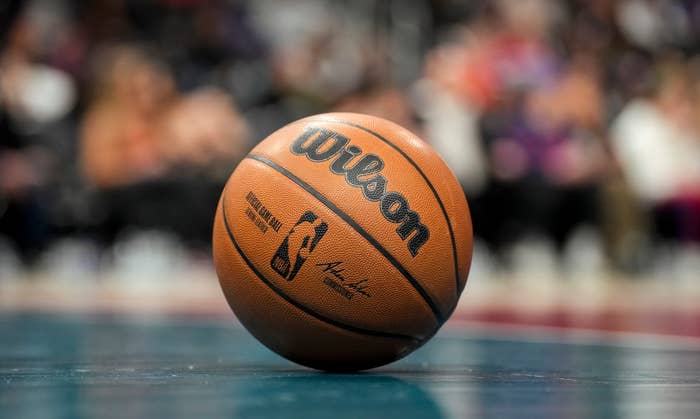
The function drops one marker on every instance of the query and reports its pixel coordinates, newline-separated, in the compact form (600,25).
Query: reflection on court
(107,367)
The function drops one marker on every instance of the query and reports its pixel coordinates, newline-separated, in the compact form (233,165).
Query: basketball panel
(315,258)
(440,284)
(437,173)
(289,331)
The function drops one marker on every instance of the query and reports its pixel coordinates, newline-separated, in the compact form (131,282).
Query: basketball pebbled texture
(342,242)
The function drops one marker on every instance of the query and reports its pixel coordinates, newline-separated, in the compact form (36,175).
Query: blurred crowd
(565,121)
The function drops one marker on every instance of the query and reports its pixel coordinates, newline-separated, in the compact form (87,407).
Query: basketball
(342,242)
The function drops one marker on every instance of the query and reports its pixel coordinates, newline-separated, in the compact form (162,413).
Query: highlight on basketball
(328,208)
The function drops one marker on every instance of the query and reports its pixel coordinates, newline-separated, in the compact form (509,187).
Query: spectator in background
(532,123)
(121,142)
(657,142)
(518,98)
(160,157)
(546,159)
(335,62)
(34,99)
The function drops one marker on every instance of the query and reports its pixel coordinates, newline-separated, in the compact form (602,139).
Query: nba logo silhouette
(299,243)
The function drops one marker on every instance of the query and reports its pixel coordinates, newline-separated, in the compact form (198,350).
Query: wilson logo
(321,144)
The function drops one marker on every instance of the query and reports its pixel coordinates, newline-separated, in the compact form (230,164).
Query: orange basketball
(342,242)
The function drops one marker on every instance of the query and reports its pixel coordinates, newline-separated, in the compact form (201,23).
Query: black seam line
(430,185)
(301,307)
(325,201)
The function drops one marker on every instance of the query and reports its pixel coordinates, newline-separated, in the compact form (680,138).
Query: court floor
(61,366)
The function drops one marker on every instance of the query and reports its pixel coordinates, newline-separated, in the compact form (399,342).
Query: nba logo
(299,243)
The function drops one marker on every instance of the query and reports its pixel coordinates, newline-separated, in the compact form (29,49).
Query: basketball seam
(352,223)
(298,305)
(427,181)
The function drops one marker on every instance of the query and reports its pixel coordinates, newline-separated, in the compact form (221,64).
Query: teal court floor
(60,366)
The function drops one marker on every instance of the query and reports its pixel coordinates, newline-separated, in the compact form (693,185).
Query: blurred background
(573,126)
